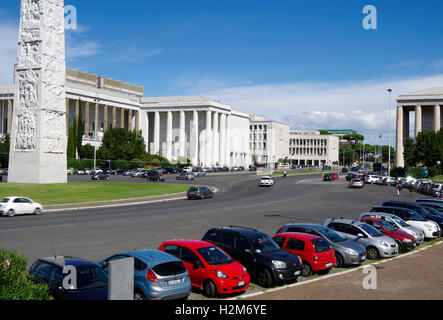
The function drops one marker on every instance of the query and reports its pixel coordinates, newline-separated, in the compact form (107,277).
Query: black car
(92,282)
(154,175)
(264,260)
(199,192)
(169,171)
(100,176)
(328,177)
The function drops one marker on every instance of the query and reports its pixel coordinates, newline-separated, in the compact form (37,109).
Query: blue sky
(307,62)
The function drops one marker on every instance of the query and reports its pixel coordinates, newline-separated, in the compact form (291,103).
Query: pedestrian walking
(398,189)
(410,189)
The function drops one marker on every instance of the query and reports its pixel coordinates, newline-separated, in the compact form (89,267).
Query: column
(87,119)
(156,133)
(399,158)
(182,136)
(228,141)
(194,139)
(215,141)
(96,121)
(137,120)
(77,109)
(122,118)
(222,141)
(105,118)
(9,115)
(148,142)
(437,119)
(114,117)
(169,135)
(67,116)
(418,117)
(1,116)
(208,139)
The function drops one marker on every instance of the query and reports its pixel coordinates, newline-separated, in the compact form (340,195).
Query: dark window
(169,269)
(296,229)
(188,256)
(44,271)
(210,236)
(321,245)
(139,265)
(279,240)
(17,200)
(173,249)
(340,227)
(57,277)
(227,239)
(295,244)
(352,230)
(241,243)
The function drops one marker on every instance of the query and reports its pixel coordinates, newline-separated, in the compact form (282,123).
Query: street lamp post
(100,137)
(389,145)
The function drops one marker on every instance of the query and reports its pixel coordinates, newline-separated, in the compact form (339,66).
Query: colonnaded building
(426,106)
(206,132)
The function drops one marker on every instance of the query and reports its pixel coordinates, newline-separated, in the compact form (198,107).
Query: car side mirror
(248,251)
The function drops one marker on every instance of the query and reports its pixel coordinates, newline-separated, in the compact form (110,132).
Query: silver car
(356,183)
(397,222)
(377,245)
(347,252)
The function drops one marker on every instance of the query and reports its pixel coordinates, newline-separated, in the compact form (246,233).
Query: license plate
(328,264)
(240,284)
(296,273)
(174,282)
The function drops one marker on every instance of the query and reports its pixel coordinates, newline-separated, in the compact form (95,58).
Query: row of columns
(418,127)
(6,114)
(209,149)
(105,116)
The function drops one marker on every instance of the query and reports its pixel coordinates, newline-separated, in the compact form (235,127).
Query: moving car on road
(264,260)
(185,176)
(11,206)
(377,245)
(157,275)
(210,268)
(266,182)
(199,192)
(356,183)
(100,176)
(154,175)
(347,252)
(92,282)
(315,252)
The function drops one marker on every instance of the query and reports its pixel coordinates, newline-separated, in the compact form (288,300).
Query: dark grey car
(347,252)
(199,193)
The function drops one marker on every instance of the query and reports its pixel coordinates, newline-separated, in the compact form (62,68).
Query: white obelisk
(38,139)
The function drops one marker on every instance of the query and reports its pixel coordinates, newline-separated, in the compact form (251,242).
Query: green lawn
(438,178)
(86,192)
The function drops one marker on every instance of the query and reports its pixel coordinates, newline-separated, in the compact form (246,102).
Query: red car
(209,267)
(335,175)
(404,240)
(315,252)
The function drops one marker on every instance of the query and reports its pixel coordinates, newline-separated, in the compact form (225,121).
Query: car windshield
(399,221)
(214,256)
(331,235)
(387,226)
(264,244)
(370,230)
(415,216)
(321,245)
(91,278)
(5,200)
(434,212)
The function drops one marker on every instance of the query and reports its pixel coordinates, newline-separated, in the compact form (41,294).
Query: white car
(266,182)
(11,206)
(371,179)
(187,169)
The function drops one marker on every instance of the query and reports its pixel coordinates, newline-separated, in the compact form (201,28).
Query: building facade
(426,106)
(268,140)
(313,148)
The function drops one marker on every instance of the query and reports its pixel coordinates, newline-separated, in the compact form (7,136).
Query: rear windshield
(169,268)
(321,245)
(91,278)
(214,256)
(193,189)
(5,200)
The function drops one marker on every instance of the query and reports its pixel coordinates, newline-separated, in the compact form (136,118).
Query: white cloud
(134,54)
(8,51)
(81,49)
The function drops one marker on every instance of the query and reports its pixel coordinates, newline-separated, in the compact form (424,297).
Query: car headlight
(407,240)
(221,275)
(351,251)
(245,270)
(279,264)
(384,244)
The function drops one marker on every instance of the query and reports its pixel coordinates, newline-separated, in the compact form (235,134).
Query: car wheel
(209,289)
(11,213)
(264,278)
(372,253)
(340,261)
(138,295)
(400,246)
(37,211)
(307,270)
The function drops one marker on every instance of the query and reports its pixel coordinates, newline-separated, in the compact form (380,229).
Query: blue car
(92,282)
(157,275)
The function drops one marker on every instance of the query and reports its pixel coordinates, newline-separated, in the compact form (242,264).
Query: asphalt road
(98,233)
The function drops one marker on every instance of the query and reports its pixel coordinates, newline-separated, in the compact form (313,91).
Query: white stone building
(268,140)
(206,132)
(313,148)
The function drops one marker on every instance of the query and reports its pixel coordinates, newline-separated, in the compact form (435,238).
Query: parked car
(88,171)
(100,176)
(199,192)
(69,172)
(377,245)
(429,199)
(347,252)
(198,172)
(266,182)
(315,252)
(153,175)
(157,275)
(405,241)
(80,172)
(185,176)
(264,260)
(429,228)
(169,171)
(92,282)
(371,179)
(187,169)
(211,269)
(356,183)
(11,206)
(396,222)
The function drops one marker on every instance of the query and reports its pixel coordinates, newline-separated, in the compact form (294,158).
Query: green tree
(79,130)
(354,140)
(428,148)
(71,143)
(4,151)
(409,154)
(87,152)
(119,144)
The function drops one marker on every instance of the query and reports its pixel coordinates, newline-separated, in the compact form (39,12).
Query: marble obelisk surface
(38,137)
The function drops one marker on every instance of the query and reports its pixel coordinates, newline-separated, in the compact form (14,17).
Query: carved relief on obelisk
(38,141)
